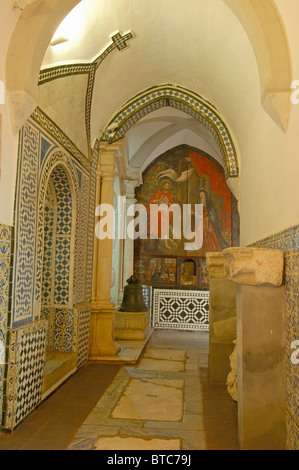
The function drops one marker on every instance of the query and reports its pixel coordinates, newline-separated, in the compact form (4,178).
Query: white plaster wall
(270,158)
(8,20)
(64,102)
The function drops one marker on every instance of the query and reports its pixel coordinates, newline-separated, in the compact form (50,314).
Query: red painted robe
(154,230)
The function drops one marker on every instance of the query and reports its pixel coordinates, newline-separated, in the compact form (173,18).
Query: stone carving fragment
(232,378)
(255,266)
(217,265)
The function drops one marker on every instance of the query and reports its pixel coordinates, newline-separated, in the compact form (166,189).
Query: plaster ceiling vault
(218,49)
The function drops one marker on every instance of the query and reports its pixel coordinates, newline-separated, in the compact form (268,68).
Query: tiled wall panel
(25,372)
(181,309)
(83,316)
(288,241)
(5,249)
(31,308)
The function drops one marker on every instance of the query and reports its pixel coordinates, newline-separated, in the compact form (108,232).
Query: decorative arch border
(179,98)
(58,157)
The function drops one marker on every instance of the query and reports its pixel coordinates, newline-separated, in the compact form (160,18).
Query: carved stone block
(255,266)
(217,265)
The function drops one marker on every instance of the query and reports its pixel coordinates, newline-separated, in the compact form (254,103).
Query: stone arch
(31,37)
(184,100)
(265,30)
(38,22)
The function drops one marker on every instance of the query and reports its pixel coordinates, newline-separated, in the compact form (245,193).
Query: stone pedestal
(222,318)
(132,325)
(258,274)
(261,367)
(102,334)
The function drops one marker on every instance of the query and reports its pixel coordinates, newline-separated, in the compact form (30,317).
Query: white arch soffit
(34,30)
(40,19)
(265,30)
(143,155)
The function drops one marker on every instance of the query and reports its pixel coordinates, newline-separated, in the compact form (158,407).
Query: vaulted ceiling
(106,52)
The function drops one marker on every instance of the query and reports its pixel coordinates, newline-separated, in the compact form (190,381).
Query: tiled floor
(164,402)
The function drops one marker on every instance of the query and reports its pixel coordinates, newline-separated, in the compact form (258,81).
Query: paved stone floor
(164,402)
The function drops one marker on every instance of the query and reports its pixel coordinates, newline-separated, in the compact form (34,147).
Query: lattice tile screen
(181,309)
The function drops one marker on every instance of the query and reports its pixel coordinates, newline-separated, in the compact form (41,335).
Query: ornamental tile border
(185,100)
(5,252)
(119,42)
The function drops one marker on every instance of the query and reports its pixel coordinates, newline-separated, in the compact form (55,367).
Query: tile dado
(25,372)
(288,241)
(5,251)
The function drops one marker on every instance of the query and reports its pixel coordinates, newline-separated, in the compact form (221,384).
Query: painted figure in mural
(162,196)
(212,236)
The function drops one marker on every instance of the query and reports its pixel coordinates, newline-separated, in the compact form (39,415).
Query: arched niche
(55,267)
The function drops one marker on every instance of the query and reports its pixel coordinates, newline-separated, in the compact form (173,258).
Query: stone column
(222,318)
(132,180)
(258,274)
(102,341)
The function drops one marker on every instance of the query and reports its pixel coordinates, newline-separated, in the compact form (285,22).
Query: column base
(102,320)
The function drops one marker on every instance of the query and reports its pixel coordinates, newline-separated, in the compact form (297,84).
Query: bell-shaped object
(133,300)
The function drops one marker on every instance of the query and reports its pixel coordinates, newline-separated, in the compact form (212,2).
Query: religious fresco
(182,176)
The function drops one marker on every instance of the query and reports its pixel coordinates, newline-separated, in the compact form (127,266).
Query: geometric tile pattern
(63,237)
(83,315)
(5,249)
(184,100)
(91,222)
(46,174)
(181,309)
(64,330)
(147,295)
(49,214)
(25,226)
(82,241)
(25,372)
(288,241)
(56,162)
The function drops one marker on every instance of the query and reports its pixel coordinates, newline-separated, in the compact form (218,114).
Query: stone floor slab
(161,365)
(132,443)
(167,354)
(144,399)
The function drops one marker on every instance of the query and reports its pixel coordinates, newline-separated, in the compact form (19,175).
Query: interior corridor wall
(269,208)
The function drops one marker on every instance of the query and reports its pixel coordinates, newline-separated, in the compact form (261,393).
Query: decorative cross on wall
(120,41)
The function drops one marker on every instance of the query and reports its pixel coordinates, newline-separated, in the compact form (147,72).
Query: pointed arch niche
(57,278)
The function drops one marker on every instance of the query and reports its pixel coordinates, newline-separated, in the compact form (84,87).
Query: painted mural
(182,176)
